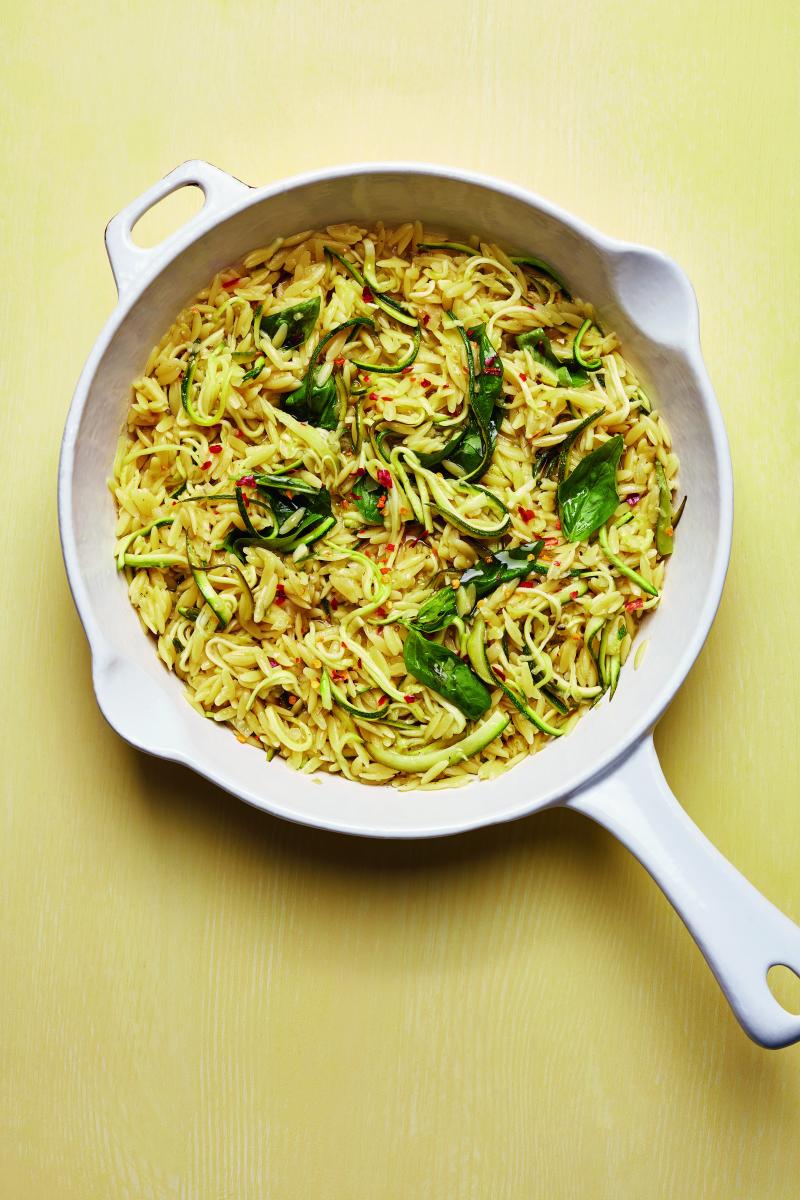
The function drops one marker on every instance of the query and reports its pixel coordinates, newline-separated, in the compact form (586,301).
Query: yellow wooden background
(202,1003)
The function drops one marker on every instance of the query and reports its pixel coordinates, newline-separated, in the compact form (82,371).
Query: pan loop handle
(740,933)
(129,261)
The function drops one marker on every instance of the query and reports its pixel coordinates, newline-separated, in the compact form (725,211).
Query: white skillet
(607,768)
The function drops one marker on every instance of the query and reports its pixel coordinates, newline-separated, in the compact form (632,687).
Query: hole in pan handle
(740,933)
(128,260)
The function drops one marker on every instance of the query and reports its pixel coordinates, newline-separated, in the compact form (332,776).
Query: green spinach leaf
(474,451)
(300,514)
(441,609)
(588,496)
(568,374)
(299,320)
(438,611)
(322,404)
(366,494)
(444,672)
(546,460)
(488,574)
(569,441)
(314,403)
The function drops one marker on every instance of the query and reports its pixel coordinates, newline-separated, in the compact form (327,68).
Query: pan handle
(128,260)
(740,933)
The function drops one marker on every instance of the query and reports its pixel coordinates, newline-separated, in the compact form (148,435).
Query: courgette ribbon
(216,386)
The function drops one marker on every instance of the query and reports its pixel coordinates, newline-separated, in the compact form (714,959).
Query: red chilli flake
(382,700)
(551,541)
(232,283)
(527,514)
(524,378)
(425,318)
(373,396)
(215,449)
(410,699)
(406,371)
(381,612)
(384,570)
(634,605)
(361,472)
(527,583)
(334,603)
(206,465)
(367,296)
(573,595)
(273,662)
(500,674)
(246,481)
(280,594)
(633,500)
(390,546)
(426,383)
(384,478)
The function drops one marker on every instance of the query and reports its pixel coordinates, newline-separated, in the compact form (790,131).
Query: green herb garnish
(490,572)
(443,671)
(322,404)
(299,320)
(541,349)
(588,497)
(367,495)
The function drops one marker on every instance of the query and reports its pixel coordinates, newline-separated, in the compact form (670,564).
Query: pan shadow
(193,802)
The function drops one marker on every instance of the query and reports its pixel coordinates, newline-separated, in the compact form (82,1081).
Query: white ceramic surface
(607,767)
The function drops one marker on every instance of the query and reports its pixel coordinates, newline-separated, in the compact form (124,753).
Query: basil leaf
(314,404)
(566,444)
(444,672)
(568,374)
(544,461)
(558,455)
(299,320)
(322,404)
(438,611)
(489,378)
(286,495)
(365,495)
(588,496)
(441,609)
(489,573)
(474,452)
(470,450)
(310,506)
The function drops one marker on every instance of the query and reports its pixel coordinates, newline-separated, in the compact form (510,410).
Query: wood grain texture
(201,1003)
